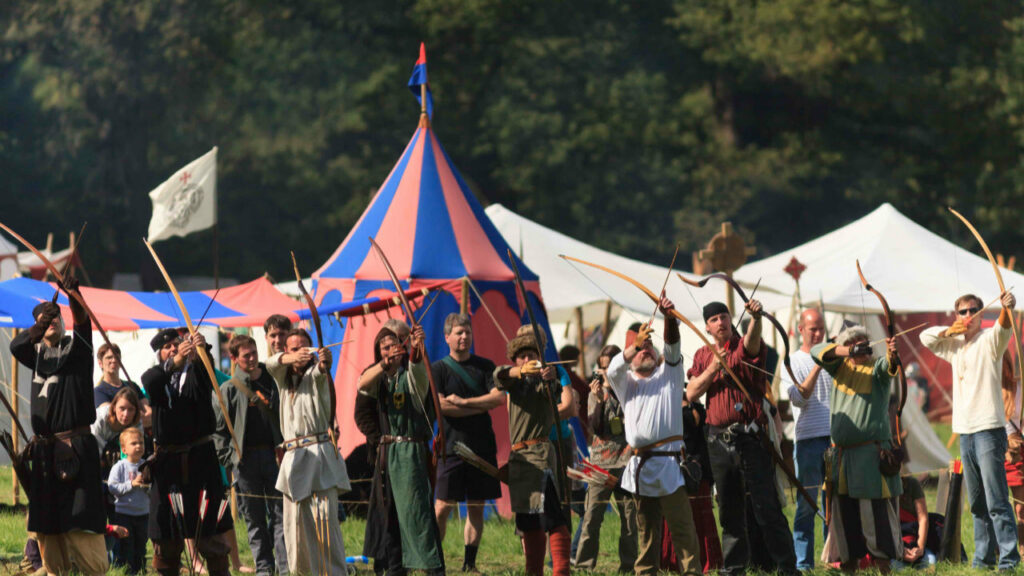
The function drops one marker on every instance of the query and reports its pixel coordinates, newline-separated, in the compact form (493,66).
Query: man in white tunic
(980,420)
(312,473)
(651,392)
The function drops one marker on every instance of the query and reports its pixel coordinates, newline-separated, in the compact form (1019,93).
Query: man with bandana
(755,532)
(410,540)
(65,492)
(185,467)
(312,473)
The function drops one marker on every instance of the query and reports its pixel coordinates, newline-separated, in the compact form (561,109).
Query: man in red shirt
(755,532)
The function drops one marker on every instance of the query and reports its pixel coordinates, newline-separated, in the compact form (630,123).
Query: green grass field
(500,551)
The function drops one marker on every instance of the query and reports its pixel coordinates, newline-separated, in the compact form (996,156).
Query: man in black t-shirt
(466,386)
(252,399)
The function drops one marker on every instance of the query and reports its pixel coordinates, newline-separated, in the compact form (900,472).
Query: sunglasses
(967,311)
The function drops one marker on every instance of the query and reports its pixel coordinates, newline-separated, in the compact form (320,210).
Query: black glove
(46,317)
(860,349)
(69,284)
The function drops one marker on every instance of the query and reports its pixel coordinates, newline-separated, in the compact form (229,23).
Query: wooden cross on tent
(726,252)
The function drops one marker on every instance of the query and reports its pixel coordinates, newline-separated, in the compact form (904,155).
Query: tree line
(628,125)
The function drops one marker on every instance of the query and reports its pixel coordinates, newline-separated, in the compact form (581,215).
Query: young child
(131,502)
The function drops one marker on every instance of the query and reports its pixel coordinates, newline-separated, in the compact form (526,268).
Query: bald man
(810,401)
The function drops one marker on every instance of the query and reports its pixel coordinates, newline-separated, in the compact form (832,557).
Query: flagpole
(216,257)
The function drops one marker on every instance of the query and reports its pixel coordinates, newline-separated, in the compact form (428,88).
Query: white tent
(564,287)
(915,269)
(8,259)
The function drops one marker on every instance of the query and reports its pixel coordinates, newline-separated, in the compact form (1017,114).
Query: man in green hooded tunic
(399,383)
(862,495)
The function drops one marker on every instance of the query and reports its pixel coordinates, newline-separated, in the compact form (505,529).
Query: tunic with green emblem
(529,418)
(403,401)
(860,425)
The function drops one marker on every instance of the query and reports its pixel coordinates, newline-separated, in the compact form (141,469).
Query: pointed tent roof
(916,269)
(427,221)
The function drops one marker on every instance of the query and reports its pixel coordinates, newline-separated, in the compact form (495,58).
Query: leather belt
(182,448)
(389,439)
(307,440)
(649,451)
(527,443)
(729,433)
(65,435)
(658,444)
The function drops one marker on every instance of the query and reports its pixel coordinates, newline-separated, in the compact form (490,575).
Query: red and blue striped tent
(432,230)
(243,305)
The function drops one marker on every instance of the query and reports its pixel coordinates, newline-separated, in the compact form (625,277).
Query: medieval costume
(65,490)
(185,466)
(654,429)
(312,473)
(864,518)
(532,481)
(755,531)
(410,541)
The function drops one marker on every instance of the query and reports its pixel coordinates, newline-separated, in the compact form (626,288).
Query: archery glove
(860,349)
(49,313)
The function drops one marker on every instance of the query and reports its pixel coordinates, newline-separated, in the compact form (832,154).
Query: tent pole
(464,299)
(14,425)
(607,323)
(581,365)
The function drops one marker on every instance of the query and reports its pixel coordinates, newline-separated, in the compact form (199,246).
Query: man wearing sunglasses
(978,417)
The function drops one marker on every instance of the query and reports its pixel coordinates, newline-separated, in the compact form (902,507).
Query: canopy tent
(247,304)
(566,286)
(431,228)
(243,305)
(915,269)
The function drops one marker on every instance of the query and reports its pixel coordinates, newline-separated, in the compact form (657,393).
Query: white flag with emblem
(187,201)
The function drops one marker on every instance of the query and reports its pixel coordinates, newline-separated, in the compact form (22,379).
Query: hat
(163,337)
(383,333)
(521,343)
(631,333)
(851,332)
(40,307)
(714,309)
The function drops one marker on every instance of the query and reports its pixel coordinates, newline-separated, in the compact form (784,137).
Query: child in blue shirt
(131,502)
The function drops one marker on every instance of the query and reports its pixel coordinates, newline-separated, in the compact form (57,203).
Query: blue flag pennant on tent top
(419,78)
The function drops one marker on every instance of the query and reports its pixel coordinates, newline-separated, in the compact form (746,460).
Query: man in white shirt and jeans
(810,401)
(651,392)
(979,419)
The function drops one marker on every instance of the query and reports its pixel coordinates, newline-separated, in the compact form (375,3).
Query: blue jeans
(809,456)
(257,475)
(995,525)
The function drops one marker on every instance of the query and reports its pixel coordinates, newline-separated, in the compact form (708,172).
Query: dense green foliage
(621,123)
